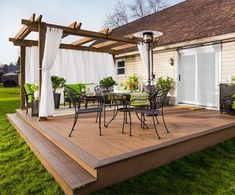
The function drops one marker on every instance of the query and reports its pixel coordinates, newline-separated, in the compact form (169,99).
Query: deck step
(84,159)
(68,173)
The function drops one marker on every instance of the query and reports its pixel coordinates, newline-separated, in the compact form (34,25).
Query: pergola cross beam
(28,43)
(33,26)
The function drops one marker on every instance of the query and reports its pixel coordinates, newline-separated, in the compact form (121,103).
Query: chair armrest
(91,98)
(29,94)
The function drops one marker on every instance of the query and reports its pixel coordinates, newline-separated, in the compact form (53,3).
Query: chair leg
(123,123)
(100,122)
(106,125)
(74,123)
(155,127)
(97,116)
(115,112)
(142,122)
(130,122)
(27,109)
(157,119)
(145,123)
(165,123)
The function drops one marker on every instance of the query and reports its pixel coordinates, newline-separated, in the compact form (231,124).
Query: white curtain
(31,65)
(143,54)
(53,38)
(83,66)
(28,65)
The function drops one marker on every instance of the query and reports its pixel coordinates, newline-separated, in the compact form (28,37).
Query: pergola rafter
(75,26)
(104,44)
(85,40)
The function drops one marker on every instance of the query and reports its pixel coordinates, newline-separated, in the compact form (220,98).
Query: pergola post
(41,45)
(22,77)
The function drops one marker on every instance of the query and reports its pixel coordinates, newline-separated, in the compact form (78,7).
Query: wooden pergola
(102,41)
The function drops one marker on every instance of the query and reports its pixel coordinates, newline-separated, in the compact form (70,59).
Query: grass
(20,171)
(209,172)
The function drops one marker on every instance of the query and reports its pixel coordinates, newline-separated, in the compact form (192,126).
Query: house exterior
(197,49)
(8,69)
(3,70)
(10,79)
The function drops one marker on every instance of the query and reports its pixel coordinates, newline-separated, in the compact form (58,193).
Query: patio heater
(149,37)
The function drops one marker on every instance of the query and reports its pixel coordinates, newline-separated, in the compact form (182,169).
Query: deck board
(113,143)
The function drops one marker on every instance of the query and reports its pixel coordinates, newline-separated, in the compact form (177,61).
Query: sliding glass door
(198,76)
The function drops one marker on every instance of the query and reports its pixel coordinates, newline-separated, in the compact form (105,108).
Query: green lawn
(20,171)
(209,172)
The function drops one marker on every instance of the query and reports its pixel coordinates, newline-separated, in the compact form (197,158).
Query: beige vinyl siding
(162,67)
(133,65)
(227,61)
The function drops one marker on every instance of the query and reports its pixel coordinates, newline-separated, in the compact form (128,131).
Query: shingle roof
(190,20)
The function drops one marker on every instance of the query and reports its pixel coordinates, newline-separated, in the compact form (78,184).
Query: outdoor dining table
(122,100)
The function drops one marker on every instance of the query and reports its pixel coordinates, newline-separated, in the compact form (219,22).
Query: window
(121,67)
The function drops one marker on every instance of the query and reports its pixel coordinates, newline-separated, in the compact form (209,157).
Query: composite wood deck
(112,143)
(114,157)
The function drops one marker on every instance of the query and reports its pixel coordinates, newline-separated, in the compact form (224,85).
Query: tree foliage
(118,17)
(124,13)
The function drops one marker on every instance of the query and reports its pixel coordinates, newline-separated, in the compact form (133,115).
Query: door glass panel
(206,79)
(187,79)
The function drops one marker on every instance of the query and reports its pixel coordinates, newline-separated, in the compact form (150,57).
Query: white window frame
(121,75)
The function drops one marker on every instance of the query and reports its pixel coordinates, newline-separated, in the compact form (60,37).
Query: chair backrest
(28,92)
(76,87)
(228,104)
(98,90)
(157,100)
(73,96)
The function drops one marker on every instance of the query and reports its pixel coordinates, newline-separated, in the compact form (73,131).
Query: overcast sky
(90,12)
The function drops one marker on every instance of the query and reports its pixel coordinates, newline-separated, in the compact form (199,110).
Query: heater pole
(149,67)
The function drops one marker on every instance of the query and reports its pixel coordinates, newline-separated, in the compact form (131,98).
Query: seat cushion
(141,99)
(29,90)
(75,87)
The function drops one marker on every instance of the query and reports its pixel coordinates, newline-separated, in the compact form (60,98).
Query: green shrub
(57,82)
(167,83)
(107,82)
(132,83)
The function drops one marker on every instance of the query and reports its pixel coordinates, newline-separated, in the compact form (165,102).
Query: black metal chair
(154,109)
(227,105)
(77,101)
(28,101)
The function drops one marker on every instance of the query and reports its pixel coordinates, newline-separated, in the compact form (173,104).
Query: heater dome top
(155,34)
